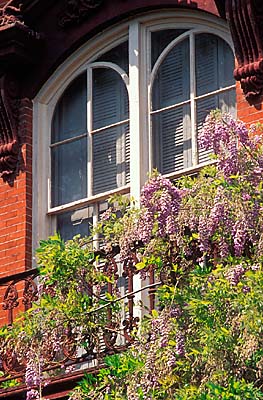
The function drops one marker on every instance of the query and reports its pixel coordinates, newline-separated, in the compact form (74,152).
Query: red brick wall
(16,216)
(245,112)
(16,206)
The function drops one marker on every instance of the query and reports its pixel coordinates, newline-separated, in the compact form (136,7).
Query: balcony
(69,364)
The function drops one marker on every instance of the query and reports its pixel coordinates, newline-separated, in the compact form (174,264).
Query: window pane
(118,55)
(214,64)
(110,158)
(69,172)
(203,107)
(110,98)
(75,222)
(172,81)
(70,117)
(172,139)
(161,39)
(225,101)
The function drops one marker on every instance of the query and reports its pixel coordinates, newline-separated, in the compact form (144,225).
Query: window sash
(91,135)
(139,104)
(196,156)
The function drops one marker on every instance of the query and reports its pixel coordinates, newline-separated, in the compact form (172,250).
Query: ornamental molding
(245,19)
(9,138)
(20,48)
(11,13)
(76,11)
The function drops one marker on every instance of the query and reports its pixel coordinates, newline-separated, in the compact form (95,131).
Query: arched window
(192,75)
(90,138)
(131,100)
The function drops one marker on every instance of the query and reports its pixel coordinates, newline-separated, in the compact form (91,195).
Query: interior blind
(213,58)
(69,160)
(110,145)
(171,128)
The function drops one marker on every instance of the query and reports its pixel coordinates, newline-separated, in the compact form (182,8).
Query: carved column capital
(9,139)
(19,48)
(245,18)
(77,10)
(11,13)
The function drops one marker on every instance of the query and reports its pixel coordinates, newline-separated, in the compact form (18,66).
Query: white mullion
(124,121)
(218,91)
(148,35)
(95,220)
(88,201)
(72,139)
(172,107)
(134,106)
(89,130)
(192,99)
(138,126)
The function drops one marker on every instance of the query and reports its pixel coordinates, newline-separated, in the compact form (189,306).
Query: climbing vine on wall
(203,237)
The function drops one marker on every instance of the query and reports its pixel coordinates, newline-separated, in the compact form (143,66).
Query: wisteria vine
(202,236)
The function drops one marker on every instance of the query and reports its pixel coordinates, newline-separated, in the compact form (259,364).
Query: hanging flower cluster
(160,201)
(235,146)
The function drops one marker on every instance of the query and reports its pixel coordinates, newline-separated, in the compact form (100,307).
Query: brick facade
(16,206)
(247,113)
(16,200)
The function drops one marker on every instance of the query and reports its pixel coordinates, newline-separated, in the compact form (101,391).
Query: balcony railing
(20,291)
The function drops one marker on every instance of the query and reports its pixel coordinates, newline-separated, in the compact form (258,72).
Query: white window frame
(139,83)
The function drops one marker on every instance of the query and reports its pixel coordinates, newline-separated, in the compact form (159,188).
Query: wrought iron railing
(21,291)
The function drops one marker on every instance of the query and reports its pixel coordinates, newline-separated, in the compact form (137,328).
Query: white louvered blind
(189,83)
(69,145)
(171,127)
(212,59)
(110,144)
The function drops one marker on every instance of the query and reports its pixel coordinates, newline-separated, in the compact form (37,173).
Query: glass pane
(110,158)
(118,55)
(77,222)
(172,81)
(226,64)
(70,117)
(161,39)
(214,64)
(225,101)
(172,139)
(203,107)
(110,98)
(69,172)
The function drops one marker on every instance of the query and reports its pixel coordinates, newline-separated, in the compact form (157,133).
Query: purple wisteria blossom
(240,236)
(32,394)
(223,133)
(160,201)
(234,274)
(204,234)
(180,344)
(33,376)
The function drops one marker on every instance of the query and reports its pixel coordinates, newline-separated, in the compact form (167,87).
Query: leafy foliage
(67,314)
(203,236)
